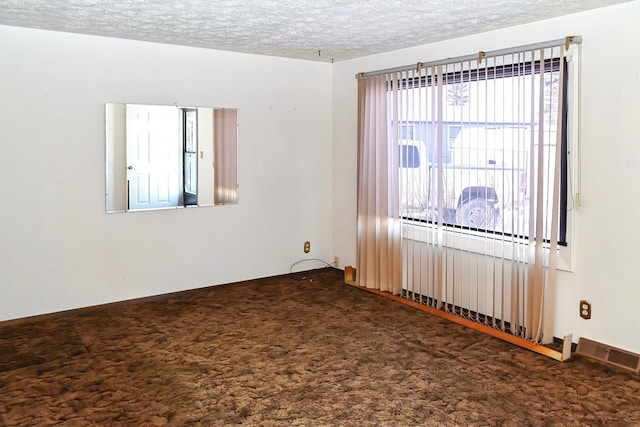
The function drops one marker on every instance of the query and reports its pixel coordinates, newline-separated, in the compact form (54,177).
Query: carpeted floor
(296,350)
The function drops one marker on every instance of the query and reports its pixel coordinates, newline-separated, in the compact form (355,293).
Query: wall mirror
(163,157)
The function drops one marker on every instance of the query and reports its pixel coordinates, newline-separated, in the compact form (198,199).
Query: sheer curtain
(225,135)
(379,261)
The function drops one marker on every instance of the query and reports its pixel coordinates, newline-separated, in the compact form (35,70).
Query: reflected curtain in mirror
(226,154)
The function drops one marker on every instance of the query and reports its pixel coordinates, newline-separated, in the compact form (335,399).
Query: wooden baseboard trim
(83,311)
(123,303)
(505,336)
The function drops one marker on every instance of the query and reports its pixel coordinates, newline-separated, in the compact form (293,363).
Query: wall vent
(605,353)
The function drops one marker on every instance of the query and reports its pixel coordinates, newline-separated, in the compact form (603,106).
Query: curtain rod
(551,43)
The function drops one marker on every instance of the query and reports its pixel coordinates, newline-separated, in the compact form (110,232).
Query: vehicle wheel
(477,213)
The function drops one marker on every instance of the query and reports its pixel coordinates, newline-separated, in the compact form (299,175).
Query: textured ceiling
(338,29)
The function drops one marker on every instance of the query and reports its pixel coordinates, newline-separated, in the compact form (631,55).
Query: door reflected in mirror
(164,157)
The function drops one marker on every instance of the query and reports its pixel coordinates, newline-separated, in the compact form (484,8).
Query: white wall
(607,258)
(60,250)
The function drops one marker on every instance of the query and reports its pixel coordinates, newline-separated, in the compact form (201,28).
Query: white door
(154,152)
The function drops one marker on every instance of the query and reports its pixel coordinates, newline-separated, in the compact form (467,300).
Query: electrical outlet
(336,262)
(307,247)
(585,309)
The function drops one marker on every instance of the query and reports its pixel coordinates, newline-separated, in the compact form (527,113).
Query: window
(467,216)
(190,155)
(406,131)
(485,159)
(409,156)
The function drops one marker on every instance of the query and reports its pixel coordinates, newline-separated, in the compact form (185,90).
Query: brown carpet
(296,350)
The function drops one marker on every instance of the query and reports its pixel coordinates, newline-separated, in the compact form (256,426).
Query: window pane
(481,145)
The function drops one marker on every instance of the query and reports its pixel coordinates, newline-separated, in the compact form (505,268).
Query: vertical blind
(463,177)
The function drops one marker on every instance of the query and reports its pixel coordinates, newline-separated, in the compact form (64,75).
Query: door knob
(130,167)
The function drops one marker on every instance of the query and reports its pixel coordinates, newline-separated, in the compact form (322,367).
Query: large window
(489,138)
(466,216)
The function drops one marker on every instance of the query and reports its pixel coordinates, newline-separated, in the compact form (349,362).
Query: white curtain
(379,258)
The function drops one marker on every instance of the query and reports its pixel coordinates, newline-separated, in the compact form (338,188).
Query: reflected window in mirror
(190,155)
(161,157)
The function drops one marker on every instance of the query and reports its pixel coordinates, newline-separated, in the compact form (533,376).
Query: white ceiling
(321,30)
